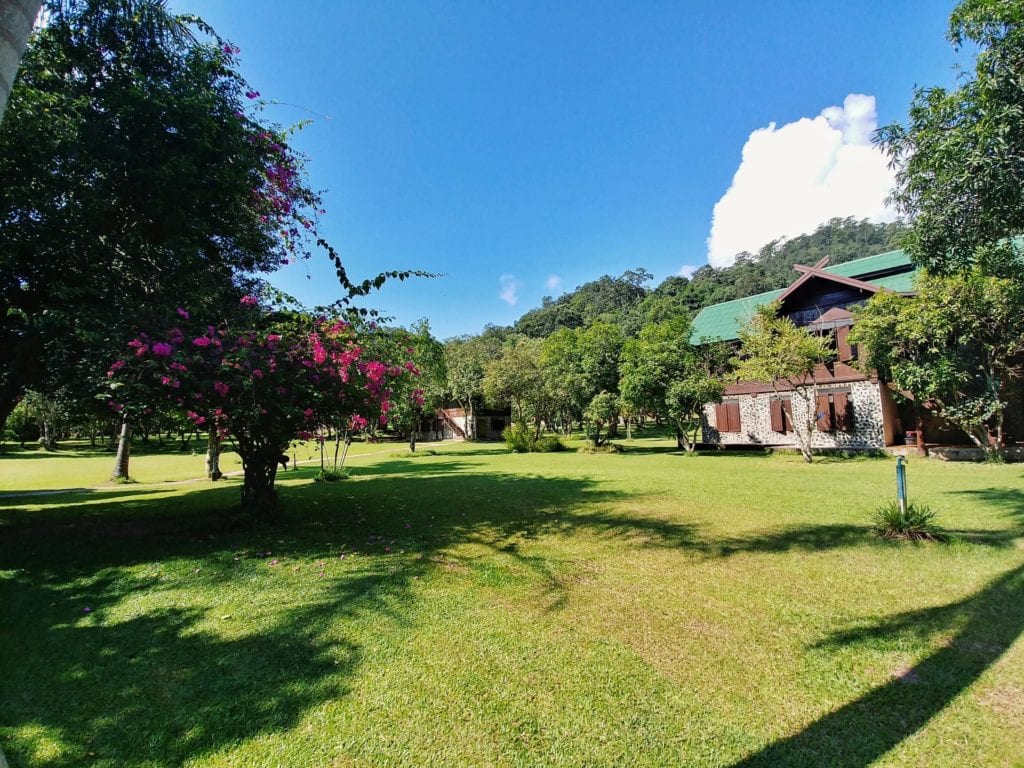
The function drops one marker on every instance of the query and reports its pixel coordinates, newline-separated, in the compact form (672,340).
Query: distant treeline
(626,300)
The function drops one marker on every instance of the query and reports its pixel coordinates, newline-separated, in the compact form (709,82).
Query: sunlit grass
(478,608)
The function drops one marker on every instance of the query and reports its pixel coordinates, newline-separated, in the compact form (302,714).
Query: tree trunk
(412,441)
(47,440)
(213,455)
(922,449)
(16,20)
(124,448)
(259,497)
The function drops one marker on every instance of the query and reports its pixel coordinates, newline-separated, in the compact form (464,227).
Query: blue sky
(524,148)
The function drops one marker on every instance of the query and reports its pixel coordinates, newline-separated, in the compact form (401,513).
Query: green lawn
(477,608)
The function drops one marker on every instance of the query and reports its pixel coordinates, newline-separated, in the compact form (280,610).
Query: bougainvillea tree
(264,379)
(139,171)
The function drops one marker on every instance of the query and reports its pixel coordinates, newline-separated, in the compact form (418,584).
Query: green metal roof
(877,263)
(723,321)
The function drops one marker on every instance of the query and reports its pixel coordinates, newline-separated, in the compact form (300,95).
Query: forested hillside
(626,300)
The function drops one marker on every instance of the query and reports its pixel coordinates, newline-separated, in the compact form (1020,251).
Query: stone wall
(756,428)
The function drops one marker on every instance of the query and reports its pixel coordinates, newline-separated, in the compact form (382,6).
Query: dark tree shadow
(161,688)
(986,623)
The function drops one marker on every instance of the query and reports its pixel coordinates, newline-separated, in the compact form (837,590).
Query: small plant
(331,474)
(915,522)
(519,439)
(604,448)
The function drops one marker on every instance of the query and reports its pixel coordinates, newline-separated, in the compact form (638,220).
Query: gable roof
(892,270)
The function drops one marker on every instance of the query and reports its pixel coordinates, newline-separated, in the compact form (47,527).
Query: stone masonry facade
(755,421)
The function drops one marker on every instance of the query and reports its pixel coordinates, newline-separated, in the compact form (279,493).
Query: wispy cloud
(509,292)
(553,283)
(687,271)
(793,178)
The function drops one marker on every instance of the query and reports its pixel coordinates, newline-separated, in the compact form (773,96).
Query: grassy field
(484,609)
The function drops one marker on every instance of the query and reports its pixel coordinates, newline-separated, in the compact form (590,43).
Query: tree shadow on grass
(1010,500)
(986,624)
(163,686)
(120,685)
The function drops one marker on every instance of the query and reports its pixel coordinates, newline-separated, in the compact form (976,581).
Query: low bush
(604,448)
(520,439)
(330,475)
(916,522)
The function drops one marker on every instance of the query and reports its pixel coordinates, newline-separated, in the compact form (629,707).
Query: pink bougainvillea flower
(162,349)
(183,312)
(252,94)
(200,341)
(249,301)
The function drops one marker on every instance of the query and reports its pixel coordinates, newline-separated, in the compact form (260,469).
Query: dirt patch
(1005,700)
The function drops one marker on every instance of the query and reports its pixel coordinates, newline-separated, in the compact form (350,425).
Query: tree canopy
(960,157)
(138,176)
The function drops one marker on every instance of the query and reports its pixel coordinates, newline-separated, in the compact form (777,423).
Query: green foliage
(137,177)
(516,379)
(601,413)
(608,299)
(331,475)
(603,448)
(626,302)
(960,177)
(775,351)
(663,374)
(915,522)
(957,346)
(521,439)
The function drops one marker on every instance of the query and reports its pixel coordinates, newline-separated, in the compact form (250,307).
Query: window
(834,411)
(781,410)
(846,351)
(727,417)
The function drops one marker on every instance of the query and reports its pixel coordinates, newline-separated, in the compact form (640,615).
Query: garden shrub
(331,474)
(916,522)
(520,439)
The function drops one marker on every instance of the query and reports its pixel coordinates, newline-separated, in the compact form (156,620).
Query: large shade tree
(137,175)
(957,346)
(263,377)
(664,374)
(960,156)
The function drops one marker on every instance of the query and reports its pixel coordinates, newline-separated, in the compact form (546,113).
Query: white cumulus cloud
(687,271)
(793,178)
(553,282)
(509,292)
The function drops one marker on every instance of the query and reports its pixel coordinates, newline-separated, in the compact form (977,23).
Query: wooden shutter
(843,346)
(824,411)
(787,421)
(844,411)
(775,410)
(721,418)
(733,410)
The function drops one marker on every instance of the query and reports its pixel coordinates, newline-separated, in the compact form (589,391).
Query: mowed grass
(484,609)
